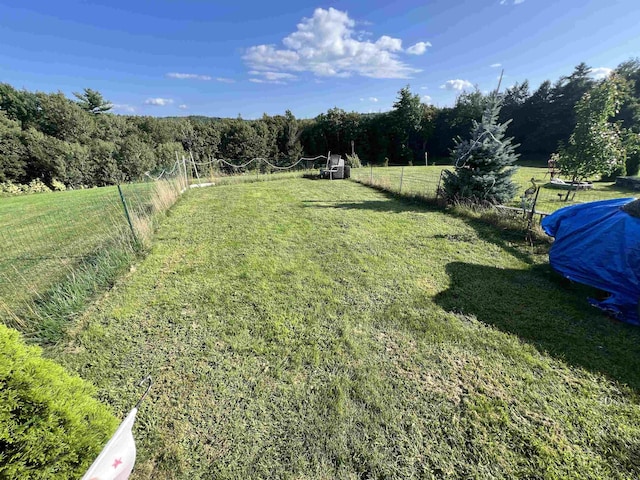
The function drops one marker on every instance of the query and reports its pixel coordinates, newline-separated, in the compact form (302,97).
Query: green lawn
(424,181)
(316,329)
(43,236)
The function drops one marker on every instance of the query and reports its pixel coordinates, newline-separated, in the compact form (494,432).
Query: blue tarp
(598,244)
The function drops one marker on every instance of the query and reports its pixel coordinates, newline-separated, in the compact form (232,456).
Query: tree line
(78,142)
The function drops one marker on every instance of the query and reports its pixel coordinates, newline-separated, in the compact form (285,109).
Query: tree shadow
(544,309)
(392,202)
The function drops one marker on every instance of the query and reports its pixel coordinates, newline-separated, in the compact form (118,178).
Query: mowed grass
(316,329)
(44,236)
(423,180)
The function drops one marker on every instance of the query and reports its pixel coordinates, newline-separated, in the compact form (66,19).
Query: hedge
(51,426)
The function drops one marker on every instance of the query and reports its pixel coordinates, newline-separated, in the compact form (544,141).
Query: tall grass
(44,313)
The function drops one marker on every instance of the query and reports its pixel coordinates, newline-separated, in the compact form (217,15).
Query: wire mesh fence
(46,238)
(425,180)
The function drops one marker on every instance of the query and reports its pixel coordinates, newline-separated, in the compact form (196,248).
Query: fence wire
(424,181)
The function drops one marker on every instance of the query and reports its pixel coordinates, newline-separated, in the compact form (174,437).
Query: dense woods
(51,138)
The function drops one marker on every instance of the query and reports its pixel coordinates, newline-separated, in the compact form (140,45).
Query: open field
(423,180)
(316,329)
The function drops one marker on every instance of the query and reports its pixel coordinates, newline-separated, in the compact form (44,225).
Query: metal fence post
(126,212)
(401,177)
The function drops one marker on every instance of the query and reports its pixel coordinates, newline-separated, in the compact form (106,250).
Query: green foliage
(632,147)
(483,162)
(354,161)
(92,101)
(37,186)
(541,119)
(63,119)
(12,152)
(57,186)
(134,157)
(51,426)
(595,146)
(10,188)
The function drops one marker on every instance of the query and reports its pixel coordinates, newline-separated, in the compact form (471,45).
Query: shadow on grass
(544,309)
(374,205)
(393,202)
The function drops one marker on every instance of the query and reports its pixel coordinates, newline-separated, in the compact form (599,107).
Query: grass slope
(316,329)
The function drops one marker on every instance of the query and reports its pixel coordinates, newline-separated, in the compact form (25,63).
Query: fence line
(46,238)
(424,181)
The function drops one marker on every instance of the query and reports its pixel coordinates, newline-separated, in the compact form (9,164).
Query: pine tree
(484,162)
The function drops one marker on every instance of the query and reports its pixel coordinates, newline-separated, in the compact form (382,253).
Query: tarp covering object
(598,244)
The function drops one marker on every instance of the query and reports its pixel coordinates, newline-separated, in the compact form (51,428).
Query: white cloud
(601,72)
(160,102)
(495,65)
(518,2)
(419,48)
(424,88)
(388,43)
(326,45)
(182,107)
(271,77)
(373,99)
(188,76)
(426,99)
(457,84)
(123,107)
(225,80)
(508,2)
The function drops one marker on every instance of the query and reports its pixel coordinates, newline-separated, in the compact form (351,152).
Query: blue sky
(198,57)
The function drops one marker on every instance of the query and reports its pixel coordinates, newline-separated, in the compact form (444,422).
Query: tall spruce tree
(484,162)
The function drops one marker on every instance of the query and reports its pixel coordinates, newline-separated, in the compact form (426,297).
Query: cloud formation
(123,107)
(159,102)
(187,76)
(182,107)
(419,48)
(271,77)
(225,80)
(457,84)
(495,65)
(600,73)
(426,99)
(328,46)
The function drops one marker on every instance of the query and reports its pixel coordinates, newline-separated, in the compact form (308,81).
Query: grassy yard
(423,180)
(316,329)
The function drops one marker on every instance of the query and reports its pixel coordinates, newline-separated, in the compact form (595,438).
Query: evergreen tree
(92,101)
(484,162)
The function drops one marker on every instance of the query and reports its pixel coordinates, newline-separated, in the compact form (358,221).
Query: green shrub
(354,161)
(10,188)
(632,144)
(50,425)
(58,186)
(37,186)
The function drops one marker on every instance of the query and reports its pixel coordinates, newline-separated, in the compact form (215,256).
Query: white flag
(117,458)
